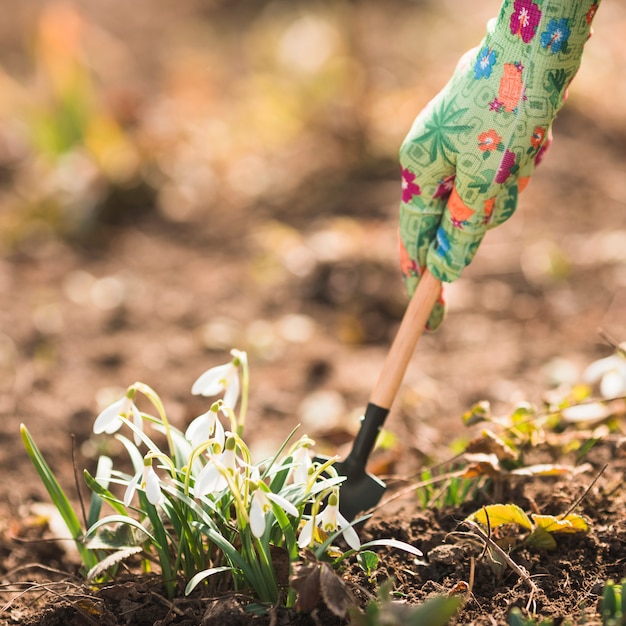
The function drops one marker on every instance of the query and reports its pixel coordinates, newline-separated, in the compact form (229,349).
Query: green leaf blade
(58,497)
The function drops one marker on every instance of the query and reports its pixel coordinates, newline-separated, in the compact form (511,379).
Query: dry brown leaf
(490,443)
(306,582)
(334,591)
(482,465)
(545,469)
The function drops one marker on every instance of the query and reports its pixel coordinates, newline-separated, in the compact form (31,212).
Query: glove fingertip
(437,316)
(438,313)
(411,282)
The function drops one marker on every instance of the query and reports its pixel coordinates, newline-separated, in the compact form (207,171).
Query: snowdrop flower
(611,372)
(221,378)
(211,478)
(150,483)
(261,504)
(109,420)
(302,462)
(205,426)
(329,520)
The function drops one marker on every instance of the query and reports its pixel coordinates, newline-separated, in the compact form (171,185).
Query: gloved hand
(474,147)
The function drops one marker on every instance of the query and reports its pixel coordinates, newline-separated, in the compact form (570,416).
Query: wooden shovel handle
(403,346)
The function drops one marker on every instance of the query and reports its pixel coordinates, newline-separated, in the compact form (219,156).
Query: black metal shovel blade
(361,491)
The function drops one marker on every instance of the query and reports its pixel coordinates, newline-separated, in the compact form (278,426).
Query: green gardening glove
(473,149)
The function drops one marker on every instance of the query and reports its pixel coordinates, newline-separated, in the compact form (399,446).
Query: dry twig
(518,569)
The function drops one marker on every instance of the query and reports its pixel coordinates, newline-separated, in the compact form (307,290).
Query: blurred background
(178,179)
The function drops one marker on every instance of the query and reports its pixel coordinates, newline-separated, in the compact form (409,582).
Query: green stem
(195,453)
(245,388)
(268,573)
(256,576)
(158,405)
(168,573)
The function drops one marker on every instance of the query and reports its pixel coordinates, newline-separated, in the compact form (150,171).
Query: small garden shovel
(361,491)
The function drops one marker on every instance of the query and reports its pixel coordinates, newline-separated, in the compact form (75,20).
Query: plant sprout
(613,603)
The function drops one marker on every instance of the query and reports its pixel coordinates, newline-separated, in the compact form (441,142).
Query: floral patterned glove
(473,149)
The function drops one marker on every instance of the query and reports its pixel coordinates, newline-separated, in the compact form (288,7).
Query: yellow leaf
(577,522)
(501,514)
(387,440)
(549,523)
(557,524)
(480,412)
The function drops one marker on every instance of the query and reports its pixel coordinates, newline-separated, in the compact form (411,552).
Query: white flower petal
(209,480)
(220,434)
(598,368)
(589,412)
(212,381)
(612,385)
(349,534)
(301,464)
(153,486)
(352,539)
(306,534)
(257,514)
(200,429)
(328,518)
(620,367)
(229,459)
(283,503)
(108,421)
(232,392)
(131,488)
(137,421)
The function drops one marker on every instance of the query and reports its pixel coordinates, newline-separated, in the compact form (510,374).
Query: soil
(306,280)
